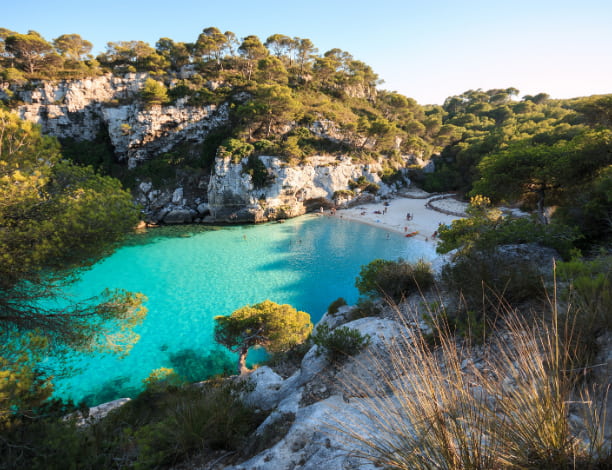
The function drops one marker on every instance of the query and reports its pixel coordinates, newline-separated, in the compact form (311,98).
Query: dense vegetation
(277,88)
(58,215)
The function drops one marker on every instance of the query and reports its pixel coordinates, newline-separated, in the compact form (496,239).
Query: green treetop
(275,327)
(56,218)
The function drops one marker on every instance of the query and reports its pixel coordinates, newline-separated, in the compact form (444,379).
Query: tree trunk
(242,368)
(540,204)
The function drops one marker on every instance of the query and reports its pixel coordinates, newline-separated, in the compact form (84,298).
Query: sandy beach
(393,217)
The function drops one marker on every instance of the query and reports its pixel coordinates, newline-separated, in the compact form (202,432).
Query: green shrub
(260,176)
(365,307)
(394,279)
(154,92)
(235,149)
(371,188)
(589,290)
(589,286)
(210,418)
(343,193)
(335,305)
(481,279)
(161,427)
(363,184)
(339,343)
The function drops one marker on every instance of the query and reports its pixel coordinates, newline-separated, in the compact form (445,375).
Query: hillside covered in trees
(287,99)
(279,98)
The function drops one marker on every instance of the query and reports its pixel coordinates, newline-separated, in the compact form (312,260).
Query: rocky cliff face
(80,109)
(232,195)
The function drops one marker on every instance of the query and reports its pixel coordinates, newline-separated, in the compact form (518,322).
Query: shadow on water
(111,390)
(195,365)
(190,364)
(153,234)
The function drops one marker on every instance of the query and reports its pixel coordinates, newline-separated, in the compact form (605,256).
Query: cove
(192,276)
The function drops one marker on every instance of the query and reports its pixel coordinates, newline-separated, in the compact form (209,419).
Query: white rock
(267,386)
(177,196)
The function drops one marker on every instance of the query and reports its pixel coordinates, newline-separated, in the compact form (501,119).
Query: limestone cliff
(232,195)
(81,109)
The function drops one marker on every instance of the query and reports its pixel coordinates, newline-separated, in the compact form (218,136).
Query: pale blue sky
(424,49)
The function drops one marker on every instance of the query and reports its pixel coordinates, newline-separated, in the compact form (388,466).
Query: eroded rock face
(232,196)
(80,109)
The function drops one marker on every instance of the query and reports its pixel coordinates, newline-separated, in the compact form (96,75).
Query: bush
(162,426)
(154,92)
(339,343)
(482,278)
(260,176)
(365,307)
(363,184)
(343,194)
(210,418)
(235,149)
(589,290)
(394,279)
(335,305)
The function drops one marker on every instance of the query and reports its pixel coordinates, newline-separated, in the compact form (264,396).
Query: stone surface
(81,109)
(233,197)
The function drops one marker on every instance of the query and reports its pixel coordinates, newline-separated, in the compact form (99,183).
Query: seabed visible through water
(192,274)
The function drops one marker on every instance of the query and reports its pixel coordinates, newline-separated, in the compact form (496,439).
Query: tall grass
(505,404)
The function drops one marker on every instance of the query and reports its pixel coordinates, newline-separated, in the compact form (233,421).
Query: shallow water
(191,276)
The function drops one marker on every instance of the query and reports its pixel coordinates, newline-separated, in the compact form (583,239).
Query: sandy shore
(424,220)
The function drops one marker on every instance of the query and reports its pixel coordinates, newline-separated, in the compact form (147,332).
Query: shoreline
(393,217)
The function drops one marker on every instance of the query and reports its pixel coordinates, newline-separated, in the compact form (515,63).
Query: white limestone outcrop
(80,109)
(233,196)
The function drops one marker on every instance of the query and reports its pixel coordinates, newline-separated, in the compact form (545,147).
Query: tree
(4,33)
(29,50)
(280,45)
(305,50)
(177,54)
(525,169)
(211,43)
(57,219)
(154,92)
(72,46)
(132,56)
(252,50)
(271,105)
(271,69)
(268,324)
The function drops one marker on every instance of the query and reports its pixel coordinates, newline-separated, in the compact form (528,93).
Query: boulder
(178,216)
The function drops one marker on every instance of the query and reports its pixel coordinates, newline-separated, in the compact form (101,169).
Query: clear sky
(426,49)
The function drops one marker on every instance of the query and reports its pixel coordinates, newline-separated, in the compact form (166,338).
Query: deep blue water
(189,278)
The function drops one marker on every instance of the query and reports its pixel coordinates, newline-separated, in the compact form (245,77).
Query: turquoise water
(189,278)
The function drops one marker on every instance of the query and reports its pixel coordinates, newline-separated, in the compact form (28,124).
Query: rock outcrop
(232,195)
(80,109)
